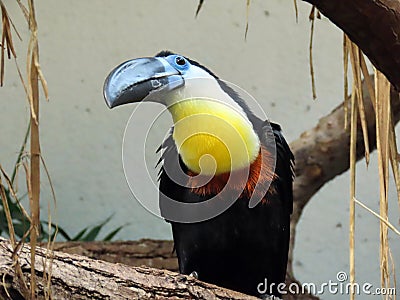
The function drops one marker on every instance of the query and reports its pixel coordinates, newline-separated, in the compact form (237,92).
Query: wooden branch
(152,253)
(374,25)
(157,254)
(79,277)
(322,153)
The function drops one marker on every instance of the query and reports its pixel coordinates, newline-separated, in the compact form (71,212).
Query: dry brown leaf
(296,10)
(33,88)
(346,49)
(7,212)
(310,51)
(14,194)
(382,103)
(386,222)
(368,80)
(247,19)
(353,159)
(355,54)
(199,6)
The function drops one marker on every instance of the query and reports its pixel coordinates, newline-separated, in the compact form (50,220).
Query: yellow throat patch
(213,137)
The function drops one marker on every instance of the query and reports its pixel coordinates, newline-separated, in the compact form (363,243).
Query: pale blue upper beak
(133,80)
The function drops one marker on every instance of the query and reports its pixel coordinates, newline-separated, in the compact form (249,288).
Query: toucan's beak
(134,80)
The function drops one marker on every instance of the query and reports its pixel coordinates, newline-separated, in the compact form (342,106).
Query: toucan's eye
(180,61)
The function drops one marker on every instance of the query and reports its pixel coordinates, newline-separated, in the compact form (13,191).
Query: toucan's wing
(171,167)
(284,167)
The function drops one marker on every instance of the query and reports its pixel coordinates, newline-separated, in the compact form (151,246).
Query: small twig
(7,212)
(386,222)
(353,159)
(312,19)
(199,6)
(20,153)
(247,19)
(296,10)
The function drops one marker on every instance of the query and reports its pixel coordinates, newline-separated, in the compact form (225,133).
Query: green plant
(20,218)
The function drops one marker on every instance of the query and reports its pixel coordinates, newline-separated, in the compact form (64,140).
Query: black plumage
(243,246)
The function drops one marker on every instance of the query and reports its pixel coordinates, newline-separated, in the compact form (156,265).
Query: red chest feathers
(245,182)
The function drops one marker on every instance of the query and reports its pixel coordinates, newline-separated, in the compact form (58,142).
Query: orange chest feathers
(254,179)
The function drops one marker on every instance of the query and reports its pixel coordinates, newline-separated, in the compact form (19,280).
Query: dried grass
(346,51)
(386,148)
(353,159)
(16,246)
(199,7)
(296,10)
(382,113)
(32,166)
(314,13)
(6,40)
(385,221)
(247,18)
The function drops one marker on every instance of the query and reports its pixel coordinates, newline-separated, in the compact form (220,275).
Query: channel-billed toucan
(226,179)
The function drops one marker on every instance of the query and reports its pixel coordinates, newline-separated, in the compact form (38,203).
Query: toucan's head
(134,80)
(212,129)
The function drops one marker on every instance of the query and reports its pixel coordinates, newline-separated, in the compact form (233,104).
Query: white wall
(81,41)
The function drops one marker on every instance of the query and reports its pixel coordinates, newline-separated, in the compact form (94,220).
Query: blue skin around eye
(172,61)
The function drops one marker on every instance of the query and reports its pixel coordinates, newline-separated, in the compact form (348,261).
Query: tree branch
(152,253)
(79,277)
(322,153)
(374,25)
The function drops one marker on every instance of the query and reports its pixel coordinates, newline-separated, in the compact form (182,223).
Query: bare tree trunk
(374,25)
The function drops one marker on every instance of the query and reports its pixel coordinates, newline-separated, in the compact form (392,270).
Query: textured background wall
(81,41)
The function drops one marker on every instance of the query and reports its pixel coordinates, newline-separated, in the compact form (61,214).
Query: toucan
(225,184)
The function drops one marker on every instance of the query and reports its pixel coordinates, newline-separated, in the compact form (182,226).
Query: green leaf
(60,231)
(94,232)
(20,228)
(78,237)
(111,235)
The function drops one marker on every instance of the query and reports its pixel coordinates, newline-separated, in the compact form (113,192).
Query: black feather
(241,247)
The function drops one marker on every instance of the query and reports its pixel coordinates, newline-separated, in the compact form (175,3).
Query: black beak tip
(109,97)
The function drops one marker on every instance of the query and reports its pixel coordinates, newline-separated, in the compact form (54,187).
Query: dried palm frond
(6,40)
(382,104)
(34,75)
(353,160)
(386,148)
